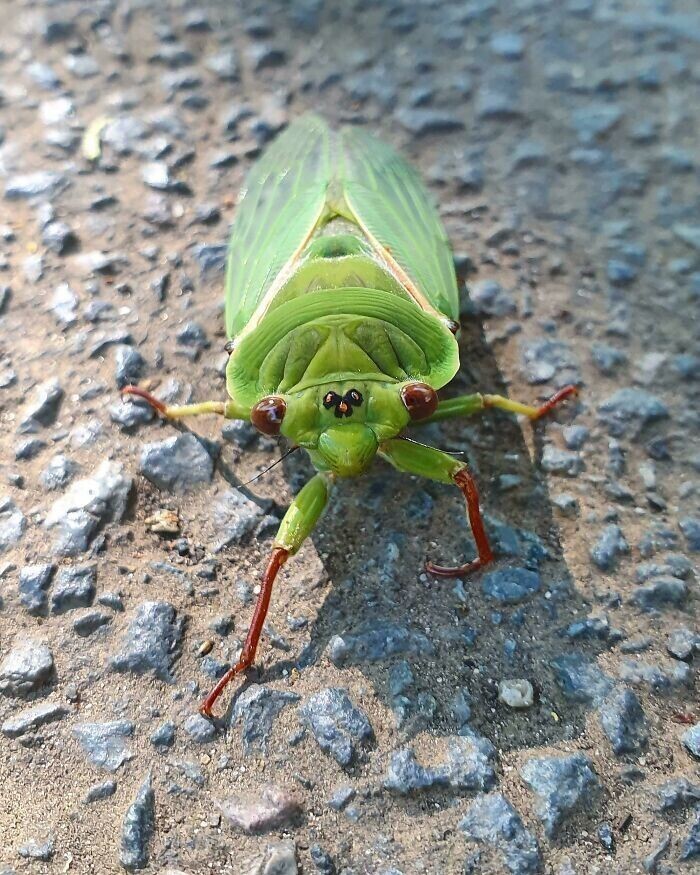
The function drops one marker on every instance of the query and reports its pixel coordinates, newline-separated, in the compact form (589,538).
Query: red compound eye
(420,399)
(268,413)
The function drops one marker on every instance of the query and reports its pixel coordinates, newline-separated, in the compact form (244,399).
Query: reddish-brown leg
(557,398)
(277,560)
(156,403)
(466,483)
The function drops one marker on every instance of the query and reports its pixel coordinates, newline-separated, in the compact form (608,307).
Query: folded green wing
(389,202)
(284,197)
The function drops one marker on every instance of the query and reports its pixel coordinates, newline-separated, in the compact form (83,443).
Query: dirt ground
(560,142)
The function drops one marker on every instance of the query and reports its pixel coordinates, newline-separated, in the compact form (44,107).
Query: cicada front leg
(180,411)
(467,405)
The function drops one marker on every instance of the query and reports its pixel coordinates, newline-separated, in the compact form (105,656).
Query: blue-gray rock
(177,464)
(193,336)
(499,99)
(491,820)
(561,785)
(28,666)
(690,849)
(90,621)
(507,44)
(210,257)
(676,793)
(28,449)
(691,740)
(137,828)
(469,766)
(489,298)
(13,524)
(223,64)
(690,526)
(609,547)
(256,709)
(105,744)
(664,676)
(607,358)
(682,643)
(338,726)
(507,540)
(151,643)
(322,860)
(581,680)
(58,473)
(623,721)
(659,593)
(129,365)
(199,729)
(163,735)
(594,120)
(42,408)
(32,718)
(38,848)
(628,411)
(561,463)
(58,237)
(33,583)
(426,120)
(103,790)
(42,183)
(75,587)
(375,641)
(575,436)
(87,505)
(235,518)
(240,433)
(509,586)
(545,360)
(592,628)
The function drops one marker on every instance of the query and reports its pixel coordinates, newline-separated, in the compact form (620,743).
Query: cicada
(341,312)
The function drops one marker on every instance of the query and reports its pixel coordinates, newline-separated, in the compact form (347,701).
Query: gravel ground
(540,717)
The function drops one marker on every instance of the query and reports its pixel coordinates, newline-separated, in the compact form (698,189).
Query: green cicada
(341,313)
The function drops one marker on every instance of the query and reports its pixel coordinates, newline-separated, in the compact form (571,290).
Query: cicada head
(342,425)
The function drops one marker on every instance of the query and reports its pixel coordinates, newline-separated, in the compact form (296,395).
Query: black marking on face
(343,404)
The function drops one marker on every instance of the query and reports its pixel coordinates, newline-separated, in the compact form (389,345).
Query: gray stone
(338,726)
(491,820)
(676,793)
(151,643)
(546,360)
(376,641)
(43,183)
(664,676)
(507,44)
(651,861)
(274,808)
(58,237)
(623,721)
(13,524)
(103,790)
(426,120)
(28,449)
(691,740)
(42,408)
(561,784)
(256,709)
(58,473)
(89,622)
(628,411)
(137,828)
(38,848)
(562,463)
(177,464)
(33,582)
(32,718)
(690,849)
(690,526)
(87,505)
(75,587)
(105,744)
(469,766)
(489,298)
(224,64)
(235,519)
(199,729)
(682,643)
(163,735)
(609,547)
(279,859)
(660,593)
(593,121)
(509,586)
(129,365)
(581,680)
(27,666)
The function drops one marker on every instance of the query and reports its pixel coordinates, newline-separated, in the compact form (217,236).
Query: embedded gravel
(539,718)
